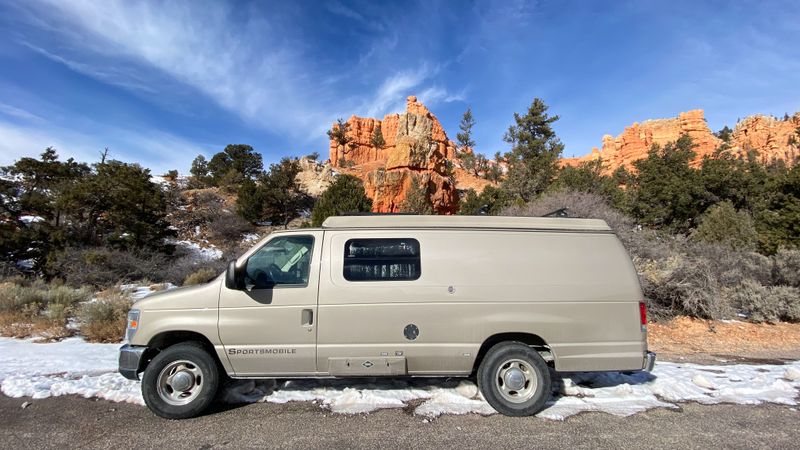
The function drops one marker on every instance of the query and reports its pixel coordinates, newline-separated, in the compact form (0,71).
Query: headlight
(133,324)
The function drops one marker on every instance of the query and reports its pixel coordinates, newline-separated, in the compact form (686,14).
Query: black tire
(205,370)
(536,379)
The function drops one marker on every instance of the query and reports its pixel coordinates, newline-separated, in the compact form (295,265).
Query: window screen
(381,260)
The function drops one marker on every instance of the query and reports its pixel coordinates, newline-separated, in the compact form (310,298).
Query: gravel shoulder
(74,422)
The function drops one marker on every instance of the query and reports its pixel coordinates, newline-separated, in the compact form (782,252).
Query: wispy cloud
(247,69)
(339,9)
(110,75)
(19,113)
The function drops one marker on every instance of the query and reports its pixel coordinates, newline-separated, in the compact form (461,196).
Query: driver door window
(284,261)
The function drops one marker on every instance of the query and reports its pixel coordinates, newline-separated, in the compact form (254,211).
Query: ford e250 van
(503,299)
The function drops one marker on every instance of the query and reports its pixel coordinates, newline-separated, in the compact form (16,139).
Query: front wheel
(514,379)
(180,382)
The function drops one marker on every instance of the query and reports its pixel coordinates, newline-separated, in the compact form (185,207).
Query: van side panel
(576,290)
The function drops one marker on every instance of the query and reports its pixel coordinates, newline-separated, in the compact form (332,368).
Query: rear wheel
(514,379)
(181,381)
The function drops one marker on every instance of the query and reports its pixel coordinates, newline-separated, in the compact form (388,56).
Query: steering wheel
(274,273)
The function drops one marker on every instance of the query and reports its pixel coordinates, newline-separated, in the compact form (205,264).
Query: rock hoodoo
(416,149)
(770,137)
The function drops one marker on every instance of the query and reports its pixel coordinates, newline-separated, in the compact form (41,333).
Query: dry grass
(22,326)
(200,276)
(37,309)
(105,318)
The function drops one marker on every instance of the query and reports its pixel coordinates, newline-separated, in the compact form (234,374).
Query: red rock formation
(416,147)
(768,136)
(773,139)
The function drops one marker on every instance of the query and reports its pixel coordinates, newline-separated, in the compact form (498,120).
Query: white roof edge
(509,222)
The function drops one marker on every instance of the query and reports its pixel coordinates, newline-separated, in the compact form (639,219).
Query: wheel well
(526,338)
(166,339)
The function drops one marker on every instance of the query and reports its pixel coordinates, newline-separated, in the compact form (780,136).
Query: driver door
(268,327)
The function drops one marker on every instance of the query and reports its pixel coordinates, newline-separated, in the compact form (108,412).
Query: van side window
(282,261)
(381,260)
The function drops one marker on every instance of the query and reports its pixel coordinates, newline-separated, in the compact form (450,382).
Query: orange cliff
(416,148)
(770,137)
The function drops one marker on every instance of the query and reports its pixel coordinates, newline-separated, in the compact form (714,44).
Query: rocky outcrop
(314,178)
(772,138)
(416,149)
(768,136)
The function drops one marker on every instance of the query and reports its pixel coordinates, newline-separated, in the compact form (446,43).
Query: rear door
(269,327)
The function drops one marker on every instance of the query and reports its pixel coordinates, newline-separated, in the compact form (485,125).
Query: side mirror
(233,280)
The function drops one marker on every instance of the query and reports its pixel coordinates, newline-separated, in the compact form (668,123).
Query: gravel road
(73,422)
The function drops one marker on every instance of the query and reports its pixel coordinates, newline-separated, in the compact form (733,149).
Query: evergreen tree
(377,138)
(588,177)
(778,216)
(276,197)
(199,172)
(464,138)
(491,201)
(417,200)
(346,194)
(535,150)
(466,145)
(232,165)
(666,191)
(723,224)
(725,134)
(338,132)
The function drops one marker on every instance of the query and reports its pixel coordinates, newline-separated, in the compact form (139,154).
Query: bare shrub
(767,304)
(690,289)
(229,228)
(105,318)
(787,267)
(201,276)
(103,267)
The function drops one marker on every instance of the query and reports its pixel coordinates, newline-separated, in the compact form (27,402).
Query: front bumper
(130,360)
(649,361)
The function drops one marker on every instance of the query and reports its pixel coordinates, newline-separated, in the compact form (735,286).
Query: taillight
(643,316)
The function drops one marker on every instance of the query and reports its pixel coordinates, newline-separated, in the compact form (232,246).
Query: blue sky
(160,82)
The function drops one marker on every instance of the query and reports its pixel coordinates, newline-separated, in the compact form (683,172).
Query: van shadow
(240,392)
(569,384)
(237,393)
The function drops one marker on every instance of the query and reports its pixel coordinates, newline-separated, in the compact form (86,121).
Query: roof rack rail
(560,212)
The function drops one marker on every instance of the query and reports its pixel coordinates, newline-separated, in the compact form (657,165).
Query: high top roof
(507,222)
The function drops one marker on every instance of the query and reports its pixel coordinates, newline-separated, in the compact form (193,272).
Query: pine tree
(275,197)
(346,194)
(377,137)
(464,138)
(466,145)
(199,172)
(535,150)
(338,132)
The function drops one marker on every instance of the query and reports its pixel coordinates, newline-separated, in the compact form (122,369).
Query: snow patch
(73,366)
(208,253)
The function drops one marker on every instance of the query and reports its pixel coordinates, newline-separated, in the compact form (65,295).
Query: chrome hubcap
(516,381)
(180,382)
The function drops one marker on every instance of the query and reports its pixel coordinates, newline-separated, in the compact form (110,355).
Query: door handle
(307,317)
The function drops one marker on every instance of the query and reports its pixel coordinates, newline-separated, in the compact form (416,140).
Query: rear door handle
(307,317)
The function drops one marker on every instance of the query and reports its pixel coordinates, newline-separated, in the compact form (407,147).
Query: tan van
(497,298)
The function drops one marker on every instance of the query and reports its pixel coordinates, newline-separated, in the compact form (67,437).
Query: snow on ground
(203,253)
(73,366)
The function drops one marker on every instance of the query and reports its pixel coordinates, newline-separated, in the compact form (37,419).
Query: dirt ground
(688,339)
